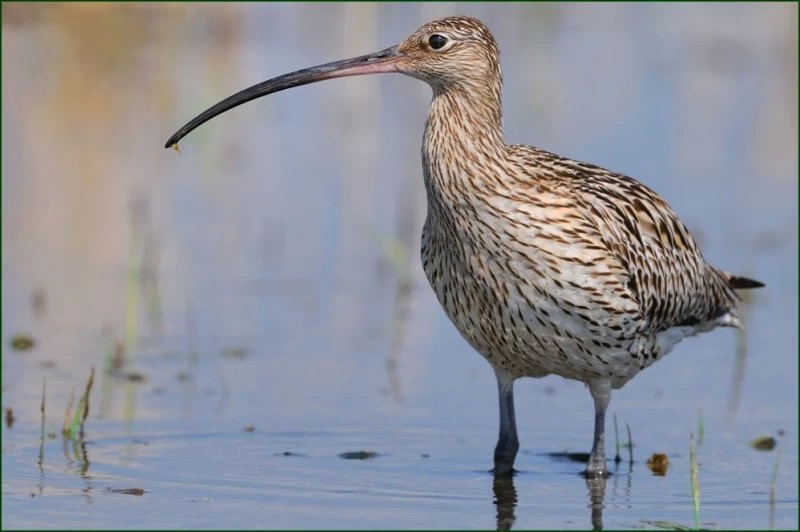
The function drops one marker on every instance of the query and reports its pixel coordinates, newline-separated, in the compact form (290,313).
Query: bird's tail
(741,283)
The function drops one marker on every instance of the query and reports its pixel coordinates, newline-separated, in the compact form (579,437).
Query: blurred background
(268,275)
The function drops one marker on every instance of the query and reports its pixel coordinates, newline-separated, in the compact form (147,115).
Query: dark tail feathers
(740,283)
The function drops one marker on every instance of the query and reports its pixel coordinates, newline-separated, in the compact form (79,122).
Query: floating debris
(249,428)
(658,463)
(358,455)
(22,342)
(138,492)
(764,443)
(10,417)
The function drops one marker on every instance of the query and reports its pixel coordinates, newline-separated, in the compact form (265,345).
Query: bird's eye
(437,41)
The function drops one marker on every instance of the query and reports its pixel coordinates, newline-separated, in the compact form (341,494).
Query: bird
(544,264)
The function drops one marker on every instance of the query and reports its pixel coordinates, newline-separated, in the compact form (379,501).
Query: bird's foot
(503,469)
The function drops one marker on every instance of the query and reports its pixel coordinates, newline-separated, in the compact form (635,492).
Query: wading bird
(544,264)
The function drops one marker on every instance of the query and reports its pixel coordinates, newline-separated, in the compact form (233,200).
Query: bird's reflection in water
(505,498)
(597,492)
(505,494)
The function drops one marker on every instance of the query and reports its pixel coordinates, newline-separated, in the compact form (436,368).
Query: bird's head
(451,52)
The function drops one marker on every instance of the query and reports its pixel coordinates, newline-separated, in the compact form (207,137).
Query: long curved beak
(379,62)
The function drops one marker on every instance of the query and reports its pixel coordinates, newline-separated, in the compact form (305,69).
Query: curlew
(545,265)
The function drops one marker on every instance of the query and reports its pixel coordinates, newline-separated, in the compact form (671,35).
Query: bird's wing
(666,273)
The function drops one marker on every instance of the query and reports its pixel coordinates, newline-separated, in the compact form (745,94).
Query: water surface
(265,289)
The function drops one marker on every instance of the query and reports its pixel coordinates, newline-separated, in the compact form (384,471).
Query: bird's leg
(601,393)
(507,442)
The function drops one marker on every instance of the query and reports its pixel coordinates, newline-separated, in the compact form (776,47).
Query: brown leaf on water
(658,463)
(764,443)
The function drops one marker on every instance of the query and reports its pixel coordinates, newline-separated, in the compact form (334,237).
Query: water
(266,285)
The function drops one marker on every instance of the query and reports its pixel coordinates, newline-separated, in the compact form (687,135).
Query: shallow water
(266,283)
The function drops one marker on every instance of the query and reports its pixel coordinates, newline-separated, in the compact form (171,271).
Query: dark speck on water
(572,457)
(127,491)
(358,455)
(133,376)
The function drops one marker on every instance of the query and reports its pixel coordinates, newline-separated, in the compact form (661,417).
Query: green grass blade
(82,411)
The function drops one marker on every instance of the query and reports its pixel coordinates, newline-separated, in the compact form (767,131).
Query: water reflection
(597,492)
(77,458)
(740,364)
(506,497)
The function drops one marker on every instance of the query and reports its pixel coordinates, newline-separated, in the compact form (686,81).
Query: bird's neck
(467,120)
(462,150)
(462,154)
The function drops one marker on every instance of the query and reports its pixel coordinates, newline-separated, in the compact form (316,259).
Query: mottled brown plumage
(544,264)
